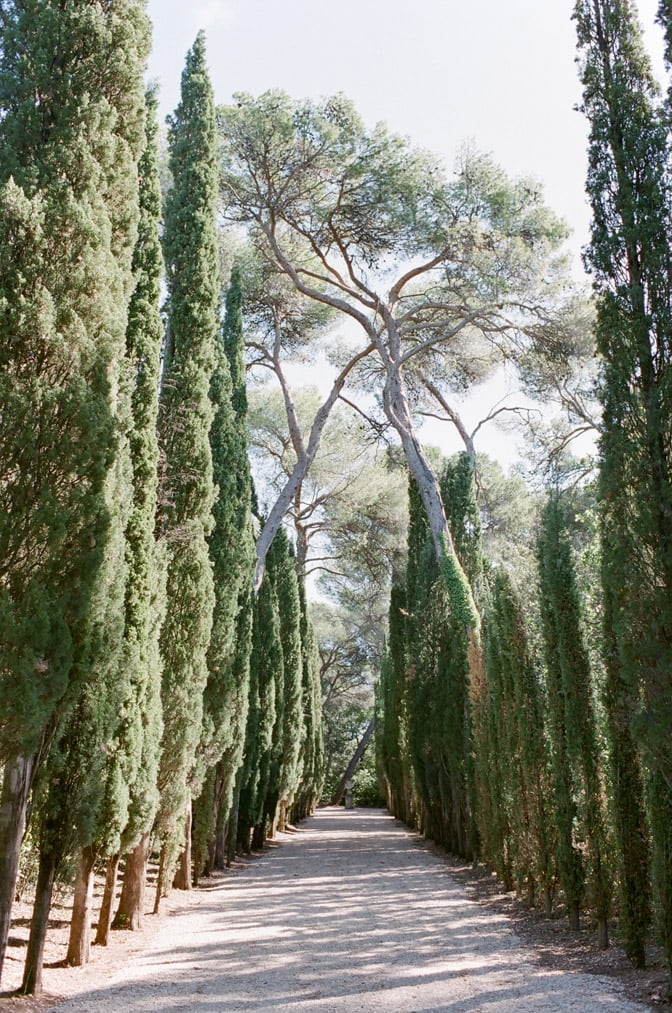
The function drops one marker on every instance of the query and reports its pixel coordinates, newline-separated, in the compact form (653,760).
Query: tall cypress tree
(232,555)
(185,417)
(578,778)
(311,769)
(630,189)
(140,730)
(520,754)
(68,173)
(266,673)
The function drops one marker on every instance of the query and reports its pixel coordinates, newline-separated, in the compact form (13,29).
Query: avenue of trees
(149,702)
(168,690)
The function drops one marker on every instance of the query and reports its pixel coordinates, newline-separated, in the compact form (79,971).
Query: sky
(443,72)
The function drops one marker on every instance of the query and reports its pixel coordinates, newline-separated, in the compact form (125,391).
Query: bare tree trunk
(131,910)
(161,878)
(79,945)
(305,454)
(32,973)
(232,829)
(354,762)
(105,916)
(182,880)
(16,783)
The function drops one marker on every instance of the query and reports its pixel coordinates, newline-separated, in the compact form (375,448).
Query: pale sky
(442,72)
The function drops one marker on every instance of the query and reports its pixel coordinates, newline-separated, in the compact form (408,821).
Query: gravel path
(348,914)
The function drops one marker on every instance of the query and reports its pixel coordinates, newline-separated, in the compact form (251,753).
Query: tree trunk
(603,934)
(161,878)
(182,880)
(232,829)
(16,783)
(105,916)
(79,945)
(32,974)
(354,762)
(131,910)
(395,403)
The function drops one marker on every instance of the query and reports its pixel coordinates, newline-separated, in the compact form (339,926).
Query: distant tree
(374,201)
(311,759)
(185,417)
(289,730)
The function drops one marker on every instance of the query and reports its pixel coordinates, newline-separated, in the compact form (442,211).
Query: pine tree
(185,417)
(68,173)
(630,189)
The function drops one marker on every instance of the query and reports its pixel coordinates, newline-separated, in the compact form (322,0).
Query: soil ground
(350,912)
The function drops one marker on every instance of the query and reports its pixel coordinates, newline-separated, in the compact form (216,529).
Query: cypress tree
(266,673)
(392,728)
(311,760)
(140,731)
(68,173)
(290,728)
(630,189)
(524,763)
(185,417)
(578,779)
(232,554)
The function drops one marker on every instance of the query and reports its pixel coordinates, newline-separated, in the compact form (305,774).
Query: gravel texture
(350,913)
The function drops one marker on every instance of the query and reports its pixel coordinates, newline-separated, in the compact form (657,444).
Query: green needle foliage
(68,217)
(185,418)
(630,189)
(311,758)
(145,588)
(232,555)
(579,814)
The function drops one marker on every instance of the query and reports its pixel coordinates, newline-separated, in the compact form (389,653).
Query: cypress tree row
(68,170)
(629,185)
(185,418)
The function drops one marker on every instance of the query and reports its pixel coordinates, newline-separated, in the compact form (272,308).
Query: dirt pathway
(348,914)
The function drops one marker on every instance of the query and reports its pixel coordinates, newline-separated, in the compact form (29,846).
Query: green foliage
(68,213)
(630,189)
(185,417)
(514,815)
(231,553)
(141,726)
(577,778)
